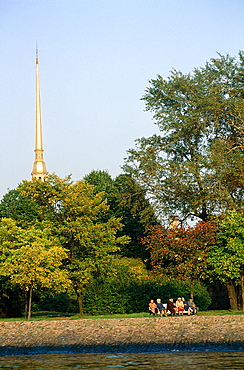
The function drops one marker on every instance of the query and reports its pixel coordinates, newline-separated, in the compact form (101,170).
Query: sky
(96,58)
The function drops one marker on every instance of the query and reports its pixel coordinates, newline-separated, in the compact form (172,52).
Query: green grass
(46,315)
(221,312)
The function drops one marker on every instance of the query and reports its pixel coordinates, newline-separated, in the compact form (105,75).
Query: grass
(221,312)
(47,315)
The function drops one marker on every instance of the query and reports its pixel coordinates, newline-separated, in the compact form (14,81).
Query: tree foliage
(181,253)
(21,209)
(194,167)
(31,258)
(226,257)
(226,260)
(127,201)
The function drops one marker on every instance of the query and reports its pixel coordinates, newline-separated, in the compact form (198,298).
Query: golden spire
(39,170)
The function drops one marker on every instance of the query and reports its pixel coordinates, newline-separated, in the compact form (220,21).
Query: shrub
(107,298)
(58,302)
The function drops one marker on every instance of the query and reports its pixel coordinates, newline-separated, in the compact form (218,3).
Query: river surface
(136,361)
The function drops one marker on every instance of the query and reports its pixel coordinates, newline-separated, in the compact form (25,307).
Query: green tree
(226,258)
(73,212)
(31,258)
(194,167)
(127,201)
(21,209)
(103,183)
(137,215)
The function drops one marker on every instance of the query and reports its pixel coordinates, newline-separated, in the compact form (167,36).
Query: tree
(127,201)
(21,209)
(103,183)
(32,259)
(137,215)
(194,167)
(73,212)
(226,258)
(181,253)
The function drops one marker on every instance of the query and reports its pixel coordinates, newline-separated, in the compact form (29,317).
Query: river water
(129,361)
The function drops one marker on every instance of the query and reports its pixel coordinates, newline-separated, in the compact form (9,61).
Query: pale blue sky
(95,59)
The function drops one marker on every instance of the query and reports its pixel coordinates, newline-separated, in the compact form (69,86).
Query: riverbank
(110,335)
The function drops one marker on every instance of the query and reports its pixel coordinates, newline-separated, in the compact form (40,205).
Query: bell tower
(39,170)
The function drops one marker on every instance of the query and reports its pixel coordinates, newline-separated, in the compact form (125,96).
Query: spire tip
(36,53)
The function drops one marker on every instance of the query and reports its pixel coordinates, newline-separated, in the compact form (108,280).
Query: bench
(168,312)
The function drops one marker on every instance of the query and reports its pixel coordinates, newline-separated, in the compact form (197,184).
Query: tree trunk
(28,303)
(80,303)
(78,291)
(232,296)
(242,292)
(239,295)
(191,288)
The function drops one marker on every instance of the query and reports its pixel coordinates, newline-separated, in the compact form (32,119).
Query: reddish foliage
(181,253)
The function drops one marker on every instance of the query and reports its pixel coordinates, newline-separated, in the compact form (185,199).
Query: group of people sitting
(172,308)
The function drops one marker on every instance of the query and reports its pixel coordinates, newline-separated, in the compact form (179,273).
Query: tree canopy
(194,167)
(32,259)
(127,201)
(227,255)
(181,253)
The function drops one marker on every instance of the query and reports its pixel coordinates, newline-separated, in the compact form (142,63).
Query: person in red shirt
(179,306)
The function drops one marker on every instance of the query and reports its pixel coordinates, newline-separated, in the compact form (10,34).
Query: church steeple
(39,170)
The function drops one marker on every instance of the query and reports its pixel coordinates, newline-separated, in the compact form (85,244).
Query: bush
(11,299)
(107,298)
(59,303)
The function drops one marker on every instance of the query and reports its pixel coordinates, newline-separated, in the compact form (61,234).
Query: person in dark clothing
(171,306)
(186,307)
(194,309)
(161,309)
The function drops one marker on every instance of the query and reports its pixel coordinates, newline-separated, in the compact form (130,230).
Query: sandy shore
(97,335)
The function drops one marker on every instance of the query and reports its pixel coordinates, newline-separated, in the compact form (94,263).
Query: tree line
(103,244)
